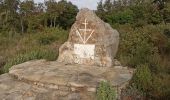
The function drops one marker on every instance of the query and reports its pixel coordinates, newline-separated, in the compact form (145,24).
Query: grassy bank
(39,45)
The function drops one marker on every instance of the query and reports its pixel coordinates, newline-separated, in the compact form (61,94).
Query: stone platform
(57,81)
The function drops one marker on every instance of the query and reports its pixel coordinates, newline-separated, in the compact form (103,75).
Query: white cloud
(91,4)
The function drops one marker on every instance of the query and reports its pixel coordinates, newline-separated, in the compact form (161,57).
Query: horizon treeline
(20,16)
(140,12)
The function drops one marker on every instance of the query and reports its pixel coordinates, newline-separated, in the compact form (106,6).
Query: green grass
(37,54)
(21,48)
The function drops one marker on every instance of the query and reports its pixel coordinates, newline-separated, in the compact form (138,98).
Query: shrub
(105,92)
(135,48)
(142,79)
(161,90)
(47,39)
(37,54)
(155,18)
(51,35)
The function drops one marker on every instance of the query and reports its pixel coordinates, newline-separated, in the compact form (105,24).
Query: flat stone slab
(12,89)
(44,80)
(56,75)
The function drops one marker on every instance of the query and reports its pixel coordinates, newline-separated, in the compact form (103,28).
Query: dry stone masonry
(91,41)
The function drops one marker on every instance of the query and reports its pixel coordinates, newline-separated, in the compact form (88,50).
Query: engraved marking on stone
(83,38)
(77,31)
(89,36)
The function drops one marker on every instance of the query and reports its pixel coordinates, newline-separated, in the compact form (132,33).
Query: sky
(91,4)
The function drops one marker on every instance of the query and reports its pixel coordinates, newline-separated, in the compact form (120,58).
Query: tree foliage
(144,43)
(150,11)
(25,16)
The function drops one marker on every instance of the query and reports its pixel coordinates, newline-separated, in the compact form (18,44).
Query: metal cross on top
(83,36)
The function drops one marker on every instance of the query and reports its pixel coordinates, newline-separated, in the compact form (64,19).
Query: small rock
(118,67)
(91,89)
(35,83)
(117,63)
(73,89)
(76,85)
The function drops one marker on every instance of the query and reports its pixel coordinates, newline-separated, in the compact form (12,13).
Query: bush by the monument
(105,92)
(142,78)
(160,87)
(147,45)
(135,47)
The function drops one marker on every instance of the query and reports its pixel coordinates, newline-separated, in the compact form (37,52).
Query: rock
(70,82)
(91,89)
(91,41)
(117,63)
(118,67)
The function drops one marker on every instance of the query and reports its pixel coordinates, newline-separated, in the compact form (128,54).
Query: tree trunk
(54,21)
(6,17)
(22,27)
(51,22)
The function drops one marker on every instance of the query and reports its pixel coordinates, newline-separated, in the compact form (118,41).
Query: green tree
(61,13)
(51,11)
(121,17)
(11,16)
(27,9)
(100,10)
(67,14)
(1,14)
(107,5)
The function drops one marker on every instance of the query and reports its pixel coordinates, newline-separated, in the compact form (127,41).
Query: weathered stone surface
(58,74)
(91,41)
(43,80)
(12,89)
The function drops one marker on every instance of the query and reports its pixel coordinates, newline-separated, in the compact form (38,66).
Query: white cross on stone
(85,30)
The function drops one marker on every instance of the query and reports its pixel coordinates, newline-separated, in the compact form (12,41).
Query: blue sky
(91,4)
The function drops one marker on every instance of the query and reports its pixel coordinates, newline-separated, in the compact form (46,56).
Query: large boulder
(91,41)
